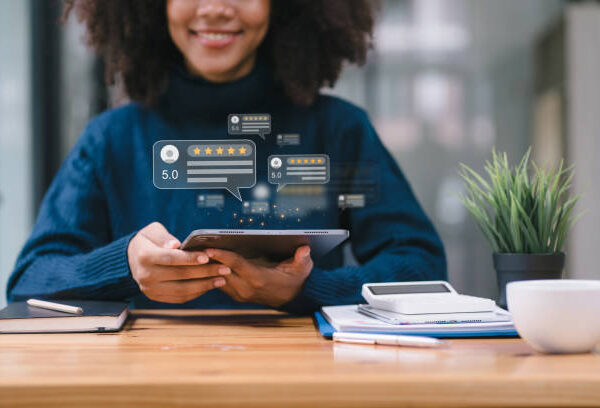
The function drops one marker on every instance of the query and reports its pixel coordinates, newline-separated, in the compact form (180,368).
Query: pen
(54,306)
(389,339)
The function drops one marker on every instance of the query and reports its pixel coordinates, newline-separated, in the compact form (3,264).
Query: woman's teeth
(215,36)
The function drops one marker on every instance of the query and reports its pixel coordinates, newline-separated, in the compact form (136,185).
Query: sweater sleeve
(392,238)
(71,252)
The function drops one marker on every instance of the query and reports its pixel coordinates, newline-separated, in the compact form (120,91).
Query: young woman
(105,232)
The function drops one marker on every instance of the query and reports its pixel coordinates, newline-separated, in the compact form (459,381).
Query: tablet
(273,244)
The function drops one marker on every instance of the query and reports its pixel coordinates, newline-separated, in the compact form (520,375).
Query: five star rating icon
(220,150)
(306,161)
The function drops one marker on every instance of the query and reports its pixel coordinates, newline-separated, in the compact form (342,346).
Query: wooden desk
(267,359)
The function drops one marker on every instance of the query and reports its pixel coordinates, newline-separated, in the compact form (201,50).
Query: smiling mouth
(215,36)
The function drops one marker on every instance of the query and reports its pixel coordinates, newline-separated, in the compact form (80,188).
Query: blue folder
(327,331)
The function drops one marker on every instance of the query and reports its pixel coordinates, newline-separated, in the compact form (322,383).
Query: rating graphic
(298,169)
(249,124)
(205,164)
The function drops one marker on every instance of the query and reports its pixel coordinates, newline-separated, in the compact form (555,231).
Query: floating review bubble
(255,207)
(298,169)
(351,201)
(204,164)
(249,124)
(211,201)
(288,139)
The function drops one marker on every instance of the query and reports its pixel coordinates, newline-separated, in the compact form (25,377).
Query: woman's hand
(167,274)
(268,285)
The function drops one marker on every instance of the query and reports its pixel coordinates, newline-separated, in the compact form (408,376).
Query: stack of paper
(348,319)
(498,315)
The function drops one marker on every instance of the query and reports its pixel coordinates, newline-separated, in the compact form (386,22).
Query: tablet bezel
(273,244)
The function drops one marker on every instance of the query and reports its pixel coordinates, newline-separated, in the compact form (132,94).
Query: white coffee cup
(556,316)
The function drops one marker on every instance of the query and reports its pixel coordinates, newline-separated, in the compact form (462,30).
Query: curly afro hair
(307,43)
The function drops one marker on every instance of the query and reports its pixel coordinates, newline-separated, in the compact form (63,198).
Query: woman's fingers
(184,290)
(191,286)
(172,257)
(158,234)
(236,262)
(166,273)
(153,252)
(172,244)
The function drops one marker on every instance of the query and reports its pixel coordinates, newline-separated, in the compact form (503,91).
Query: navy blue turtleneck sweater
(103,194)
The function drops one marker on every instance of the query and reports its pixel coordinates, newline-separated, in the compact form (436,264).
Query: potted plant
(524,215)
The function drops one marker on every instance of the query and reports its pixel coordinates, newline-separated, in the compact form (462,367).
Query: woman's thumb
(302,255)
(158,234)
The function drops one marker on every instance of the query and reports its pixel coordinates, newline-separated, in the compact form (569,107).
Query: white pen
(54,306)
(388,339)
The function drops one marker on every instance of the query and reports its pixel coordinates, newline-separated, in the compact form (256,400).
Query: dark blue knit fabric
(103,194)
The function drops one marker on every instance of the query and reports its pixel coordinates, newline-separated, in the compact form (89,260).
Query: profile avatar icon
(276,162)
(235,119)
(169,154)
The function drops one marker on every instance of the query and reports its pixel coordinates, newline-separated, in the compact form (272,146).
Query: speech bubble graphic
(351,201)
(211,201)
(255,207)
(286,169)
(288,139)
(249,124)
(204,164)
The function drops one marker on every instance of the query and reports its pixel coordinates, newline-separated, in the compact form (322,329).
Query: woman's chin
(219,71)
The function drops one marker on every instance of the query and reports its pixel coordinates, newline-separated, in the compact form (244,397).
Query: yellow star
(208,150)
(196,151)
(312,160)
(220,150)
(305,160)
(231,150)
(319,161)
(242,150)
(292,161)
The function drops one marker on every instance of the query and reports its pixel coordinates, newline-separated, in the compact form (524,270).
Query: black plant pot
(516,267)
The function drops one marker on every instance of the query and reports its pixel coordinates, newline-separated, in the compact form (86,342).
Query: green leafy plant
(519,213)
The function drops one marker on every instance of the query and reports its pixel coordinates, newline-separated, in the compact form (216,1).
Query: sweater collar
(191,98)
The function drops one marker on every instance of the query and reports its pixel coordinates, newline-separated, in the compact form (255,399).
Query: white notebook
(348,319)
(498,315)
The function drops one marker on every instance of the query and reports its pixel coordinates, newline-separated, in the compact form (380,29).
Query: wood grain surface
(268,359)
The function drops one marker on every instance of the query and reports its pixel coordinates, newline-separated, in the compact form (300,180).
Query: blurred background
(446,82)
